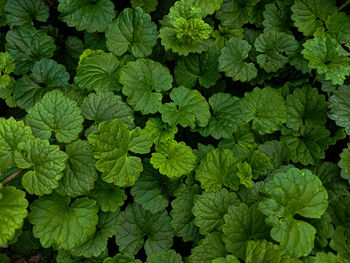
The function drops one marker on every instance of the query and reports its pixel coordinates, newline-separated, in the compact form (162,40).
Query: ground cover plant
(162,131)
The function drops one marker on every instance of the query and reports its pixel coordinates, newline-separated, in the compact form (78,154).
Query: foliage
(156,131)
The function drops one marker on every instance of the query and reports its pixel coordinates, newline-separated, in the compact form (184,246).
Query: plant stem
(12,176)
(343,5)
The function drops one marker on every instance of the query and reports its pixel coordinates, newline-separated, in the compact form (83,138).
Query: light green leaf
(210,208)
(98,71)
(80,174)
(182,216)
(89,15)
(242,224)
(169,256)
(183,30)
(13,211)
(160,131)
(148,6)
(236,13)
(46,75)
(328,57)
(108,196)
(226,116)
(218,169)
(173,159)
(227,259)
(305,105)
(322,257)
(294,192)
(132,31)
(208,7)
(189,108)
(309,15)
(112,142)
(134,224)
(259,163)
(143,81)
(262,251)
(208,248)
(12,133)
(244,173)
(120,258)
(27,45)
(50,115)
(202,67)
(266,108)
(21,12)
(233,61)
(105,106)
(340,105)
(277,17)
(96,244)
(62,224)
(344,163)
(47,164)
(276,49)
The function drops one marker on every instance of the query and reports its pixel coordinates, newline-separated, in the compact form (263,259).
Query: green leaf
(169,256)
(208,248)
(4,258)
(226,116)
(160,131)
(328,57)
(109,197)
(27,45)
(134,223)
(218,169)
(339,108)
(148,6)
(12,133)
(46,75)
(50,115)
(89,15)
(68,54)
(259,163)
(344,163)
(96,244)
(227,259)
(182,216)
(244,173)
(120,258)
(210,208)
(13,211)
(242,224)
(322,257)
(309,16)
(112,142)
(202,67)
(80,174)
(276,49)
(173,159)
(305,105)
(262,251)
(235,13)
(143,81)
(75,221)
(98,71)
(266,108)
(147,191)
(183,30)
(21,12)
(105,106)
(233,61)
(46,163)
(294,192)
(132,31)
(307,146)
(338,25)
(208,7)
(340,242)
(189,108)
(277,17)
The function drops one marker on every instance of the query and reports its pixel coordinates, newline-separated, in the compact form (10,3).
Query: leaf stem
(11,177)
(343,5)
